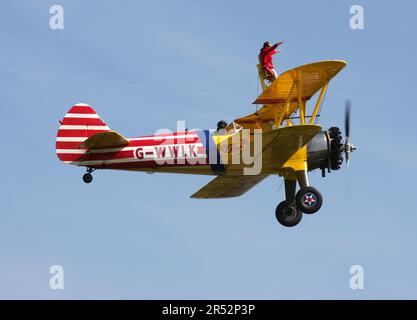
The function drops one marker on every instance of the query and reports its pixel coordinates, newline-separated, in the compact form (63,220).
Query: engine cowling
(325,150)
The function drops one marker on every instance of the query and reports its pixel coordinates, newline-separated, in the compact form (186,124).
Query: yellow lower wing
(227,187)
(103,140)
(282,144)
(281,148)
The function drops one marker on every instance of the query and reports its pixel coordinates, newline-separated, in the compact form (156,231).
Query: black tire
(288,215)
(87,178)
(308,200)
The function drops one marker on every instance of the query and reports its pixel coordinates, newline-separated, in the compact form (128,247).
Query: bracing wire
(258,80)
(280,186)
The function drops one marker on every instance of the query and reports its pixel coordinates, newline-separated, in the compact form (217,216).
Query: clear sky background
(143,65)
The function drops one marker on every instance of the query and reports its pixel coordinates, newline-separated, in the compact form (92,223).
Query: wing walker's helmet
(266,44)
(221,124)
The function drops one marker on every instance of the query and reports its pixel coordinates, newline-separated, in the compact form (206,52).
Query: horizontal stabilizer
(104,140)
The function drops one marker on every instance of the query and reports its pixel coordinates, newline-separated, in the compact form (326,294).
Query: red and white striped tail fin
(80,123)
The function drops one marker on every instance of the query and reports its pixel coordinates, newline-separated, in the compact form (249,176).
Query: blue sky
(145,65)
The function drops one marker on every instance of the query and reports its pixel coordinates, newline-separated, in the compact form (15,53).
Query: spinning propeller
(348,147)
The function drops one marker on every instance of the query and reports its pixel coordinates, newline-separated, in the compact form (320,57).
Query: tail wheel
(88,177)
(308,200)
(288,215)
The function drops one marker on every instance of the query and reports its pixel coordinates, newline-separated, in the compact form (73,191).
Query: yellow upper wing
(281,97)
(310,78)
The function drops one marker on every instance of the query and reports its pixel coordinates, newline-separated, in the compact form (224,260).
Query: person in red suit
(265,59)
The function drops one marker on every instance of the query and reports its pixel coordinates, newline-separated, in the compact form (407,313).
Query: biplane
(282,137)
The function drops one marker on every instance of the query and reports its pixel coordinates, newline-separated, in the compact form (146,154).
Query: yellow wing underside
(227,187)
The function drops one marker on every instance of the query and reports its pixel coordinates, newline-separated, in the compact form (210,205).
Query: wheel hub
(309,199)
(290,211)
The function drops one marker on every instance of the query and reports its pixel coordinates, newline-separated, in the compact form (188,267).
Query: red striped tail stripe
(80,123)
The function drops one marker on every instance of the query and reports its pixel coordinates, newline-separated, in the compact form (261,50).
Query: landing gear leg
(290,186)
(88,177)
(287,212)
(307,199)
(302,177)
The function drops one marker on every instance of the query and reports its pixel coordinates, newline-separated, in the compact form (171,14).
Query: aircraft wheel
(308,200)
(87,178)
(288,215)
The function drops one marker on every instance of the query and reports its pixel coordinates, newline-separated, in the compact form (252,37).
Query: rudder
(79,123)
